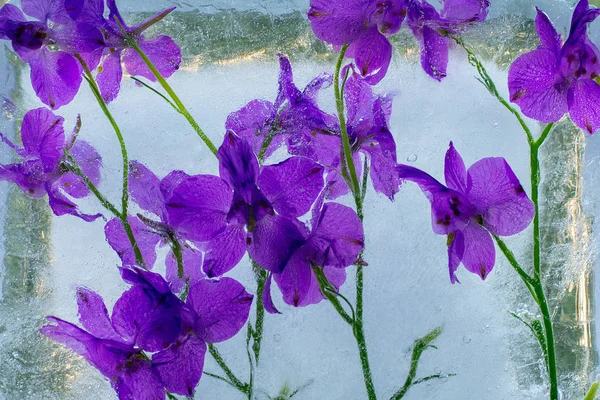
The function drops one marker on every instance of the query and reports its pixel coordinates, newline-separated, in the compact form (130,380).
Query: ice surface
(407,287)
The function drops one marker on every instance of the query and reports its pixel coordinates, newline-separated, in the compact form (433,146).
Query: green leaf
(591,395)
(537,329)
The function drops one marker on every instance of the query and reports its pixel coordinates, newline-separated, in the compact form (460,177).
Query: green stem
(358,328)
(527,280)
(177,252)
(257,332)
(419,347)
(96,91)
(339,102)
(326,290)
(539,288)
(163,82)
(239,385)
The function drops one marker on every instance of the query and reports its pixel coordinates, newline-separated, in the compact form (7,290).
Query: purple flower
(294,117)
(557,78)
(46,45)
(148,317)
(114,50)
(363,25)
(246,208)
(334,242)
(151,195)
(40,172)
(432,28)
(487,198)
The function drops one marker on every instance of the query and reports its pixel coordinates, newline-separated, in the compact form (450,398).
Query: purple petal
(170,182)
(180,366)
(479,255)
(238,165)
(358,97)
(464,11)
(498,196)
(162,51)
(381,149)
(55,76)
(93,314)
(534,84)
(144,188)
(105,355)
(372,53)
(456,250)
(273,241)
(138,380)
(109,76)
(43,136)
(192,268)
(44,10)
(61,205)
(85,10)
(296,279)
(144,237)
(148,318)
(8,14)
(225,251)
(336,276)
(582,98)
(266,297)
(454,170)
(222,308)
(434,54)
(548,36)
(313,87)
(28,175)
(199,206)
(338,236)
(90,162)
(338,22)
(287,89)
(254,123)
(292,185)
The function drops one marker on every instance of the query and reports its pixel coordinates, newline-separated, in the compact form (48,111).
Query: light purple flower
(557,78)
(334,242)
(246,208)
(46,45)
(40,172)
(431,27)
(486,199)
(363,25)
(148,317)
(151,194)
(114,50)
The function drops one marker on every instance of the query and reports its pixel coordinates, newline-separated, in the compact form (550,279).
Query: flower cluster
(365,25)
(67,33)
(282,213)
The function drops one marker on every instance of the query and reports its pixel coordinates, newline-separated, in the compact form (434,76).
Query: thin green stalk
(219,377)
(326,290)
(163,82)
(162,96)
(419,347)
(593,392)
(176,247)
(359,334)
(96,91)
(527,280)
(239,385)
(539,288)
(73,167)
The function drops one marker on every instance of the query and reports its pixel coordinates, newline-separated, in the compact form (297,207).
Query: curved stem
(239,385)
(257,332)
(163,82)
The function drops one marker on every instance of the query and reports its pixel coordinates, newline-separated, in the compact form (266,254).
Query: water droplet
(412,158)
(466,339)
(439,308)
(277,338)
(437,370)
(444,379)
(429,388)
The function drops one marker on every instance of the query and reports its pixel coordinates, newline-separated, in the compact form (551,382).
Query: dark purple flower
(363,25)
(558,78)
(40,172)
(334,242)
(114,50)
(487,198)
(46,45)
(246,208)
(151,194)
(432,28)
